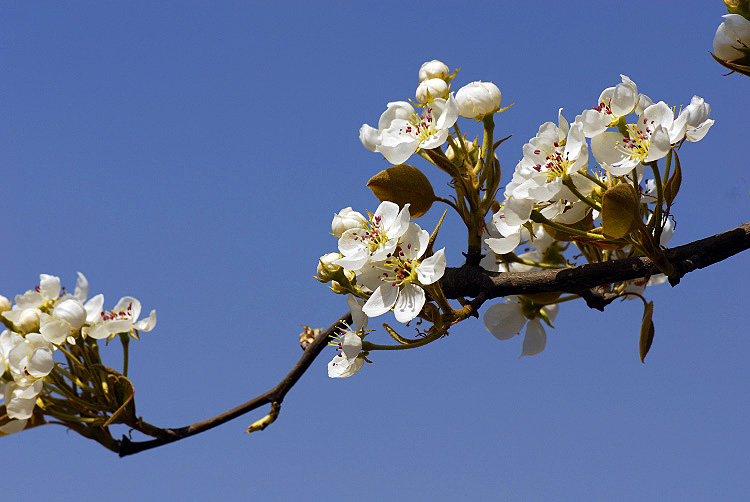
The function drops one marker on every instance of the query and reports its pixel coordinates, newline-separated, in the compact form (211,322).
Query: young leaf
(647,331)
(619,210)
(674,182)
(404,184)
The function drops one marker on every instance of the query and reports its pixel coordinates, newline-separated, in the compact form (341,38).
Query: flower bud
(478,99)
(28,322)
(345,219)
(4,304)
(434,69)
(72,312)
(338,288)
(458,156)
(326,262)
(432,88)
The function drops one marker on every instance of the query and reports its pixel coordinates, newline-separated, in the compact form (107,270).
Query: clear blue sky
(192,154)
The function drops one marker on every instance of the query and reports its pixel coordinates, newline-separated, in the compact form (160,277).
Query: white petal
(381,300)
(432,268)
(56,331)
(49,286)
(341,367)
(146,324)
(369,136)
(504,320)
(358,317)
(504,245)
(94,308)
(82,288)
(535,339)
(410,301)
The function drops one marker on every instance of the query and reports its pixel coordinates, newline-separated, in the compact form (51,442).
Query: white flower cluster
(385,253)
(402,131)
(555,162)
(553,179)
(39,322)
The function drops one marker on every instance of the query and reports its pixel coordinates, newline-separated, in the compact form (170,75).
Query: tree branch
(475,282)
(273,396)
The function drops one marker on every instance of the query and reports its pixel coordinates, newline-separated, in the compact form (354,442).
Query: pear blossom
(434,69)
(345,219)
(554,153)
(614,102)
(430,89)
(31,358)
(20,399)
(732,39)
(648,140)
(397,282)
(697,122)
(349,343)
(121,319)
(358,245)
(478,99)
(371,137)
(505,320)
(429,130)
(48,290)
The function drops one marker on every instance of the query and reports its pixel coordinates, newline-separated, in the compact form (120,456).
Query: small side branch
(275,395)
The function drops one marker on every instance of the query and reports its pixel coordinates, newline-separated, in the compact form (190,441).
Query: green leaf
(647,331)
(674,182)
(619,209)
(404,184)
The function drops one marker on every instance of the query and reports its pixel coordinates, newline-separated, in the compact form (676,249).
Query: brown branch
(273,396)
(477,283)
(473,281)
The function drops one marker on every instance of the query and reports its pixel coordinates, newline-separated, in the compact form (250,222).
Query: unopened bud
(478,99)
(4,304)
(432,88)
(457,156)
(345,219)
(338,288)
(28,322)
(434,69)
(326,262)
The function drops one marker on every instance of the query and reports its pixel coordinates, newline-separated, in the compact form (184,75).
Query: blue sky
(192,154)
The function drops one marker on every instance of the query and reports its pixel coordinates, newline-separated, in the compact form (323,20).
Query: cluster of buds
(47,321)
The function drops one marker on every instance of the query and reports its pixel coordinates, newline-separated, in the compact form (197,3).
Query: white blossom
(732,39)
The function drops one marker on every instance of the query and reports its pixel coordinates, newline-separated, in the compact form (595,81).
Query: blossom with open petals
(371,137)
(376,239)
(347,362)
(429,130)
(647,140)
(614,102)
(121,319)
(505,320)
(397,281)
